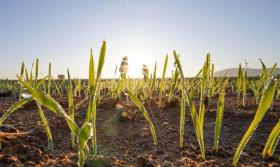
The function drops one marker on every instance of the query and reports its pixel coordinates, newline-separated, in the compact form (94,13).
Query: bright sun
(136,58)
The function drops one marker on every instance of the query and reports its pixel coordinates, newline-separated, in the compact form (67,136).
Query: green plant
(153,78)
(41,99)
(239,82)
(8,88)
(175,78)
(83,137)
(11,110)
(71,104)
(255,86)
(182,119)
(141,107)
(211,91)
(49,79)
(162,83)
(45,125)
(219,117)
(194,115)
(265,102)
(47,101)
(21,74)
(203,91)
(265,74)
(244,87)
(88,129)
(272,141)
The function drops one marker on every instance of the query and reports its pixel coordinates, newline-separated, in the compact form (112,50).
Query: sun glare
(136,58)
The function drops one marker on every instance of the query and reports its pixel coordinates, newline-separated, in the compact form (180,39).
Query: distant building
(61,76)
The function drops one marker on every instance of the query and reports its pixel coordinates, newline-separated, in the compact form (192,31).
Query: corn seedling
(182,119)
(41,113)
(12,109)
(265,73)
(244,86)
(211,91)
(47,101)
(21,74)
(175,78)
(255,86)
(162,83)
(8,88)
(49,79)
(153,78)
(203,91)
(265,102)
(239,82)
(45,126)
(272,141)
(194,115)
(84,135)
(88,129)
(71,104)
(219,117)
(41,99)
(141,107)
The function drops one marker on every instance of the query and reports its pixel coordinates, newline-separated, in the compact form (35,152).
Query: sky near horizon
(63,31)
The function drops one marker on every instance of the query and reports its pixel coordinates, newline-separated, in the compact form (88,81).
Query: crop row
(139,91)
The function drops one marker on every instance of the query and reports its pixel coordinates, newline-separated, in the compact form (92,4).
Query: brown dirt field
(129,143)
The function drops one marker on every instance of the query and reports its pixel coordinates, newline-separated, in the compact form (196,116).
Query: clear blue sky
(63,31)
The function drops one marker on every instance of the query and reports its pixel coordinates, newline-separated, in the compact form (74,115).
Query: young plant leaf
(71,104)
(83,137)
(182,120)
(265,102)
(219,117)
(13,108)
(141,107)
(194,115)
(46,100)
(45,126)
(272,141)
